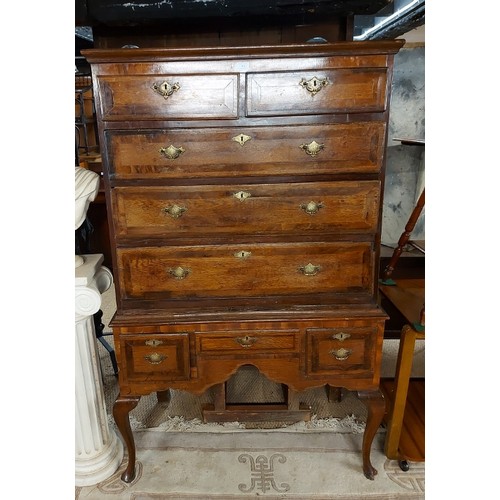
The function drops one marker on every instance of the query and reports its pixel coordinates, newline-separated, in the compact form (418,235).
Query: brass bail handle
(172,152)
(175,211)
(340,354)
(313,148)
(312,207)
(246,341)
(155,358)
(310,269)
(179,272)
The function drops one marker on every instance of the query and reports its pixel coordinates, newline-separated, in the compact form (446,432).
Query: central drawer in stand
(244,191)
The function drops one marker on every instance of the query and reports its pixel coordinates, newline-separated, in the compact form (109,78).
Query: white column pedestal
(98,450)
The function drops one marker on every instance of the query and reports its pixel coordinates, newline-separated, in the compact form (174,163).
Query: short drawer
(299,208)
(154,357)
(318,91)
(341,350)
(246,270)
(247,342)
(167,96)
(247,151)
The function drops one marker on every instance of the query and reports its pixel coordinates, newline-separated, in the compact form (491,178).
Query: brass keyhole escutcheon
(242,195)
(314,85)
(341,336)
(241,139)
(166,89)
(171,152)
(242,254)
(313,148)
(153,343)
(312,207)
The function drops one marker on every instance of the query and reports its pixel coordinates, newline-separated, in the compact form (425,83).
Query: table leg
(121,409)
(374,401)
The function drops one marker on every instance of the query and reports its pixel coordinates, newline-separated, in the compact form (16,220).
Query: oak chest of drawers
(244,187)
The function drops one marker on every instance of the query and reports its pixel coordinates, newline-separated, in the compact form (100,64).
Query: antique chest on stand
(244,190)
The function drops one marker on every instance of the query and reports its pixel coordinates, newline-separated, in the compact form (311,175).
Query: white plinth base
(96,469)
(98,450)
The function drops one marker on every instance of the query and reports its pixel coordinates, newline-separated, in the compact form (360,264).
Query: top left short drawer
(168,97)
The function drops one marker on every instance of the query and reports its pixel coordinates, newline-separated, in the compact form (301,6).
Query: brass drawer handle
(341,336)
(155,358)
(246,341)
(179,272)
(313,148)
(172,152)
(175,211)
(314,85)
(153,343)
(310,269)
(242,254)
(312,207)
(241,139)
(166,89)
(341,354)
(242,195)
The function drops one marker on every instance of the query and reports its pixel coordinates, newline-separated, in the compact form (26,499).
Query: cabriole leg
(121,409)
(374,401)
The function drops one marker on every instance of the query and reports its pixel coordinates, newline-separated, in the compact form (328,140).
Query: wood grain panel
(247,342)
(155,356)
(347,90)
(165,212)
(132,97)
(347,148)
(359,350)
(269,269)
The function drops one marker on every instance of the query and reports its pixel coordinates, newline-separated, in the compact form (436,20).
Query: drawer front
(248,342)
(319,91)
(170,212)
(237,152)
(245,270)
(338,351)
(167,97)
(154,357)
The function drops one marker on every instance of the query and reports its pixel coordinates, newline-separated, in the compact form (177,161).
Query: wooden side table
(405,439)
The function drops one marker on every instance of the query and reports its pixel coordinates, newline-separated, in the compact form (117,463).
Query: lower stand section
(222,412)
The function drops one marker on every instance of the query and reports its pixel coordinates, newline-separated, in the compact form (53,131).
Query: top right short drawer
(318,91)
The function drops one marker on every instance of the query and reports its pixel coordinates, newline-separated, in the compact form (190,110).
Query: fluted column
(98,450)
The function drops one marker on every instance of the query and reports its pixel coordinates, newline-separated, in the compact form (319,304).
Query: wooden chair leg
(403,240)
(400,392)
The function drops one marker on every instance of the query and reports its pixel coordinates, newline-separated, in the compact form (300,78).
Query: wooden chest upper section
(244,175)
(232,83)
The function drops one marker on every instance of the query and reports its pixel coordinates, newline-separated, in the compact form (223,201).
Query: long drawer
(198,211)
(253,151)
(245,270)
